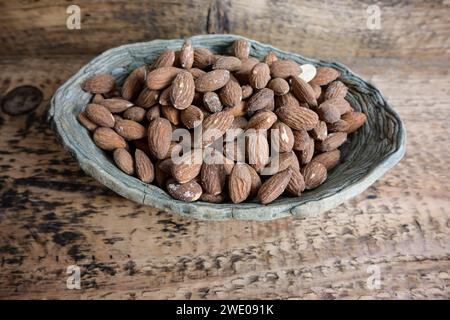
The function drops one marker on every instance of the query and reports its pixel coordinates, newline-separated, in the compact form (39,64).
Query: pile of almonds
(223,128)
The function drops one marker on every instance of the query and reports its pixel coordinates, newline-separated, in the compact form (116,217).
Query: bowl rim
(208,211)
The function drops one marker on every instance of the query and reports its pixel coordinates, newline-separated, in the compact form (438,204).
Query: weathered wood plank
(331,28)
(52,216)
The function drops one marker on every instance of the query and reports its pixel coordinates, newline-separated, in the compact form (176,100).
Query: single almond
(215,126)
(124,160)
(303,91)
(307,153)
(135,113)
(191,117)
(284,69)
(301,139)
(333,141)
(241,48)
(182,90)
(320,131)
(147,98)
(212,81)
(270,58)
(129,129)
(213,177)
(338,126)
(165,59)
(84,120)
(329,159)
(203,58)
(161,78)
(116,105)
(172,114)
(263,99)
(231,94)
(153,113)
(159,135)
(355,120)
(188,166)
(336,89)
(325,75)
(101,83)
(286,100)
(227,63)
(108,139)
(247,91)
(144,167)
(259,76)
(100,115)
(187,192)
(273,187)
(314,174)
(279,86)
(134,83)
(262,120)
(298,118)
(239,183)
(187,55)
(296,184)
(281,137)
(308,72)
(258,151)
(211,198)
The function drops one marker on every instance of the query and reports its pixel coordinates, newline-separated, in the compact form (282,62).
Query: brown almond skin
(241,49)
(212,102)
(259,76)
(298,118)
(262,120)
(164,97)
(296,184)
(108,139)
(329,113)
(182,90)
(286,100)
(333,141)
(162,77)
(165,59)
(229,63)
(97,98)
(100,115)
(336,89)
(256,181)
(187,55)
(211,198)
(263,99)
(273,187)
(303,91)
(283,141)
(101,83)
(196,73)
(329,159)
(135,113)
(84,120)
(213,178)
(314,174)
(188,192)
(270,58)
(188,167)
(258,150)
(215,126)
(124,160)
(301,139)
(147,98)
(320,131)
(279,86)
(307,154)
(172,114)
(355,120)
(159,135)
(144,167)
(239,183)
(325,75)
(212,81)
(153,113)
(284,69)
(130,130)
(191,117)
(231,94)
(134,83)
(338,126)
(203,58)
(247,91)
(246,67)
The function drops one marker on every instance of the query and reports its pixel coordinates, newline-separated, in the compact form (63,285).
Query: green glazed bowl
(368,154)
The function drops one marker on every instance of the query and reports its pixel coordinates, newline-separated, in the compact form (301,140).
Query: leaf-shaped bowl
(368,154)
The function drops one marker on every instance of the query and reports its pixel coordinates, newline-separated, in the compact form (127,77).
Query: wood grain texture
(331,28)
(52,215)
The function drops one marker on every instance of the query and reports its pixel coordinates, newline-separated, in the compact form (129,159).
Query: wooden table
(52,215)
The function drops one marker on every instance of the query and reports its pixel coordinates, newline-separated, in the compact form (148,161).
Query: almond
(241,49)
(329,159)
(135,113)
(257,148)
(231,93)
(298,118)
(203,58)
(130,130)
(159,135)
(134,83)
(270,58)
(215,126)
(239,110)
(262,120)
(100,115)
(212,102)
(187,55)
(286,100)
(164,97)
(212,81)
(247,91)
(317,90)
(336,89)
(97,99)
(325,75)
(182,90)
(296,184)
(212,198)
(172,114)
(338,126)
(235,150)
(314,174)
(284,69)
(187,192)
(255,181)
(239,183)
(307,154)
(355,120)
(263,99)
(301,139)
(101,83)
(84,120)
(162,77)
(213,177)
(165,59)
(116,105)
(281,137)
(333,141)
(328,112)
(259,76)
(227,63)
(303,91)
(124,160)
(144,167)
(279,86)
(147,98)
(273,187)
(196,73)
(320,131)
(188,166)
(246,68)
(191,117)
(108,139)
(153,113)
(280,162)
